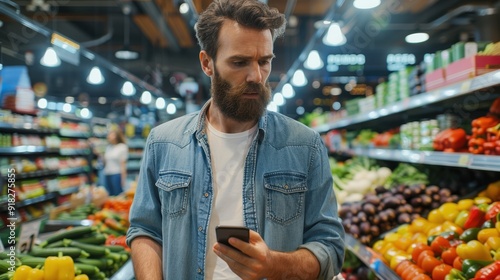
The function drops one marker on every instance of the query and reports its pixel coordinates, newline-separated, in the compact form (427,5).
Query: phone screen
(223,233)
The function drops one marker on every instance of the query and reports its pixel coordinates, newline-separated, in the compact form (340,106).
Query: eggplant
(369,209)
(404,218)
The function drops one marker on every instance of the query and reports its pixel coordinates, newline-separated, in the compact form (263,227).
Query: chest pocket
(285,193)
(173,188)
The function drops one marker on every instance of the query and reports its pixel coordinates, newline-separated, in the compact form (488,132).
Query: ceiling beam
(156,16)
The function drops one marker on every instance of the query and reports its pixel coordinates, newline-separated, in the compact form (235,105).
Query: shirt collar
(200,128)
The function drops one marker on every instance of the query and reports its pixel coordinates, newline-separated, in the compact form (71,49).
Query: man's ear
(207,63)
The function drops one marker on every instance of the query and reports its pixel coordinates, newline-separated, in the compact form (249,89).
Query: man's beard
(231,103)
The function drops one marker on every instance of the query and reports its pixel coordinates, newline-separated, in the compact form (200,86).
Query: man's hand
(257,261)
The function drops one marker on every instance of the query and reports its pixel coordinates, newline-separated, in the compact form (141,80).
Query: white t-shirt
(228,152)
(113,157)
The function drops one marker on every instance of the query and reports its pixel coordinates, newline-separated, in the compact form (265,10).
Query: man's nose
(254,73)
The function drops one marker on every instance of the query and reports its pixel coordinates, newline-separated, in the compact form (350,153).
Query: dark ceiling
(169,52)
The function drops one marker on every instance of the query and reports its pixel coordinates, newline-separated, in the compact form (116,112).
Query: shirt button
(200,229)
(198,270)
(285,187)
(206,195)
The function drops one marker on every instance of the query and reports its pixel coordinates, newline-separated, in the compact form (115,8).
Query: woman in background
(115,163)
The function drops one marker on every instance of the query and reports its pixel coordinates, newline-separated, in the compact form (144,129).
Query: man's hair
(249,13)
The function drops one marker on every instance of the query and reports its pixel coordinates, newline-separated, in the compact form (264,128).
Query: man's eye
(239,63)
(264,62)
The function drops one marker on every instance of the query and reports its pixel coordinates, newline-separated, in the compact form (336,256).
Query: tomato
(439,272)
(429,263)
(419,248)
(457,263)
(424,254)
(449,255)
(422,276)
(402,266)
(414,274)
(439,244)
(411,269)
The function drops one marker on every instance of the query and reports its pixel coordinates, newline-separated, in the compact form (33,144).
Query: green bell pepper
(488,224)
(455,274)
(470,234)
(470,267)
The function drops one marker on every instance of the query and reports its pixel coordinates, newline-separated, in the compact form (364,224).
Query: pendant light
(125,53)
(50,58)
(299,78)
(95,76)
(128,89)
(366,4)
(334,36)
(313,61)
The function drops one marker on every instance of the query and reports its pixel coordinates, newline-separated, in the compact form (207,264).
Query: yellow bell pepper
(473,250)
(82,277)
(36,274)
(22,273)
(493,243)
(59,268)
(497,225)
(493,191)
(484,234)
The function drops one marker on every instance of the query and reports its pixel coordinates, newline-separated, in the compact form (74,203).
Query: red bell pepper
(476,218)
(489,272)
(492,212)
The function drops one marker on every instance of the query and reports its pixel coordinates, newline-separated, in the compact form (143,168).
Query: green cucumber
(4,266)
(93,250)
(47,252)
(33,261)
(96,239)
(90,270)
(99,263)
(7,275)
(116,248)
(55,244)
(70,233)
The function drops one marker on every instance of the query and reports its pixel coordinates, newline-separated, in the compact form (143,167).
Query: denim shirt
(287,194)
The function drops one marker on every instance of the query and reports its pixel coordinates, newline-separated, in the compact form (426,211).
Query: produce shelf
(36,174)
(28,149)
(471,161)
(26,128)
(30,201)
(69,190)
(367,256)
(74,152)
(74,170)
(462,88)
(73,134)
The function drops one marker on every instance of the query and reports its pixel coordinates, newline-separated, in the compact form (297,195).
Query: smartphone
(224,232)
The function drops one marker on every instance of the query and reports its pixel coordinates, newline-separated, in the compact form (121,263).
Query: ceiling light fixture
(278,99)
(128,89)
(184,8)
(50,58)
(146,97)
(366,4)
(299,78)
(126,53)
(288,91)
(160,103)
(334,36)
(171,109)
(416,38)
(95,76)
(313,61)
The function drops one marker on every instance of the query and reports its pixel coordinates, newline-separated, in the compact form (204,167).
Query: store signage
(333,61)
(66,49)
(397,61)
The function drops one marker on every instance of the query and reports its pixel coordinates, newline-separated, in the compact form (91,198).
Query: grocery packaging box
(470,67)
(435,79)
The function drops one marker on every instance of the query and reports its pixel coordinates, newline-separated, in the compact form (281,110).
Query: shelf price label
(465,86)
(464,160)
(29,233)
